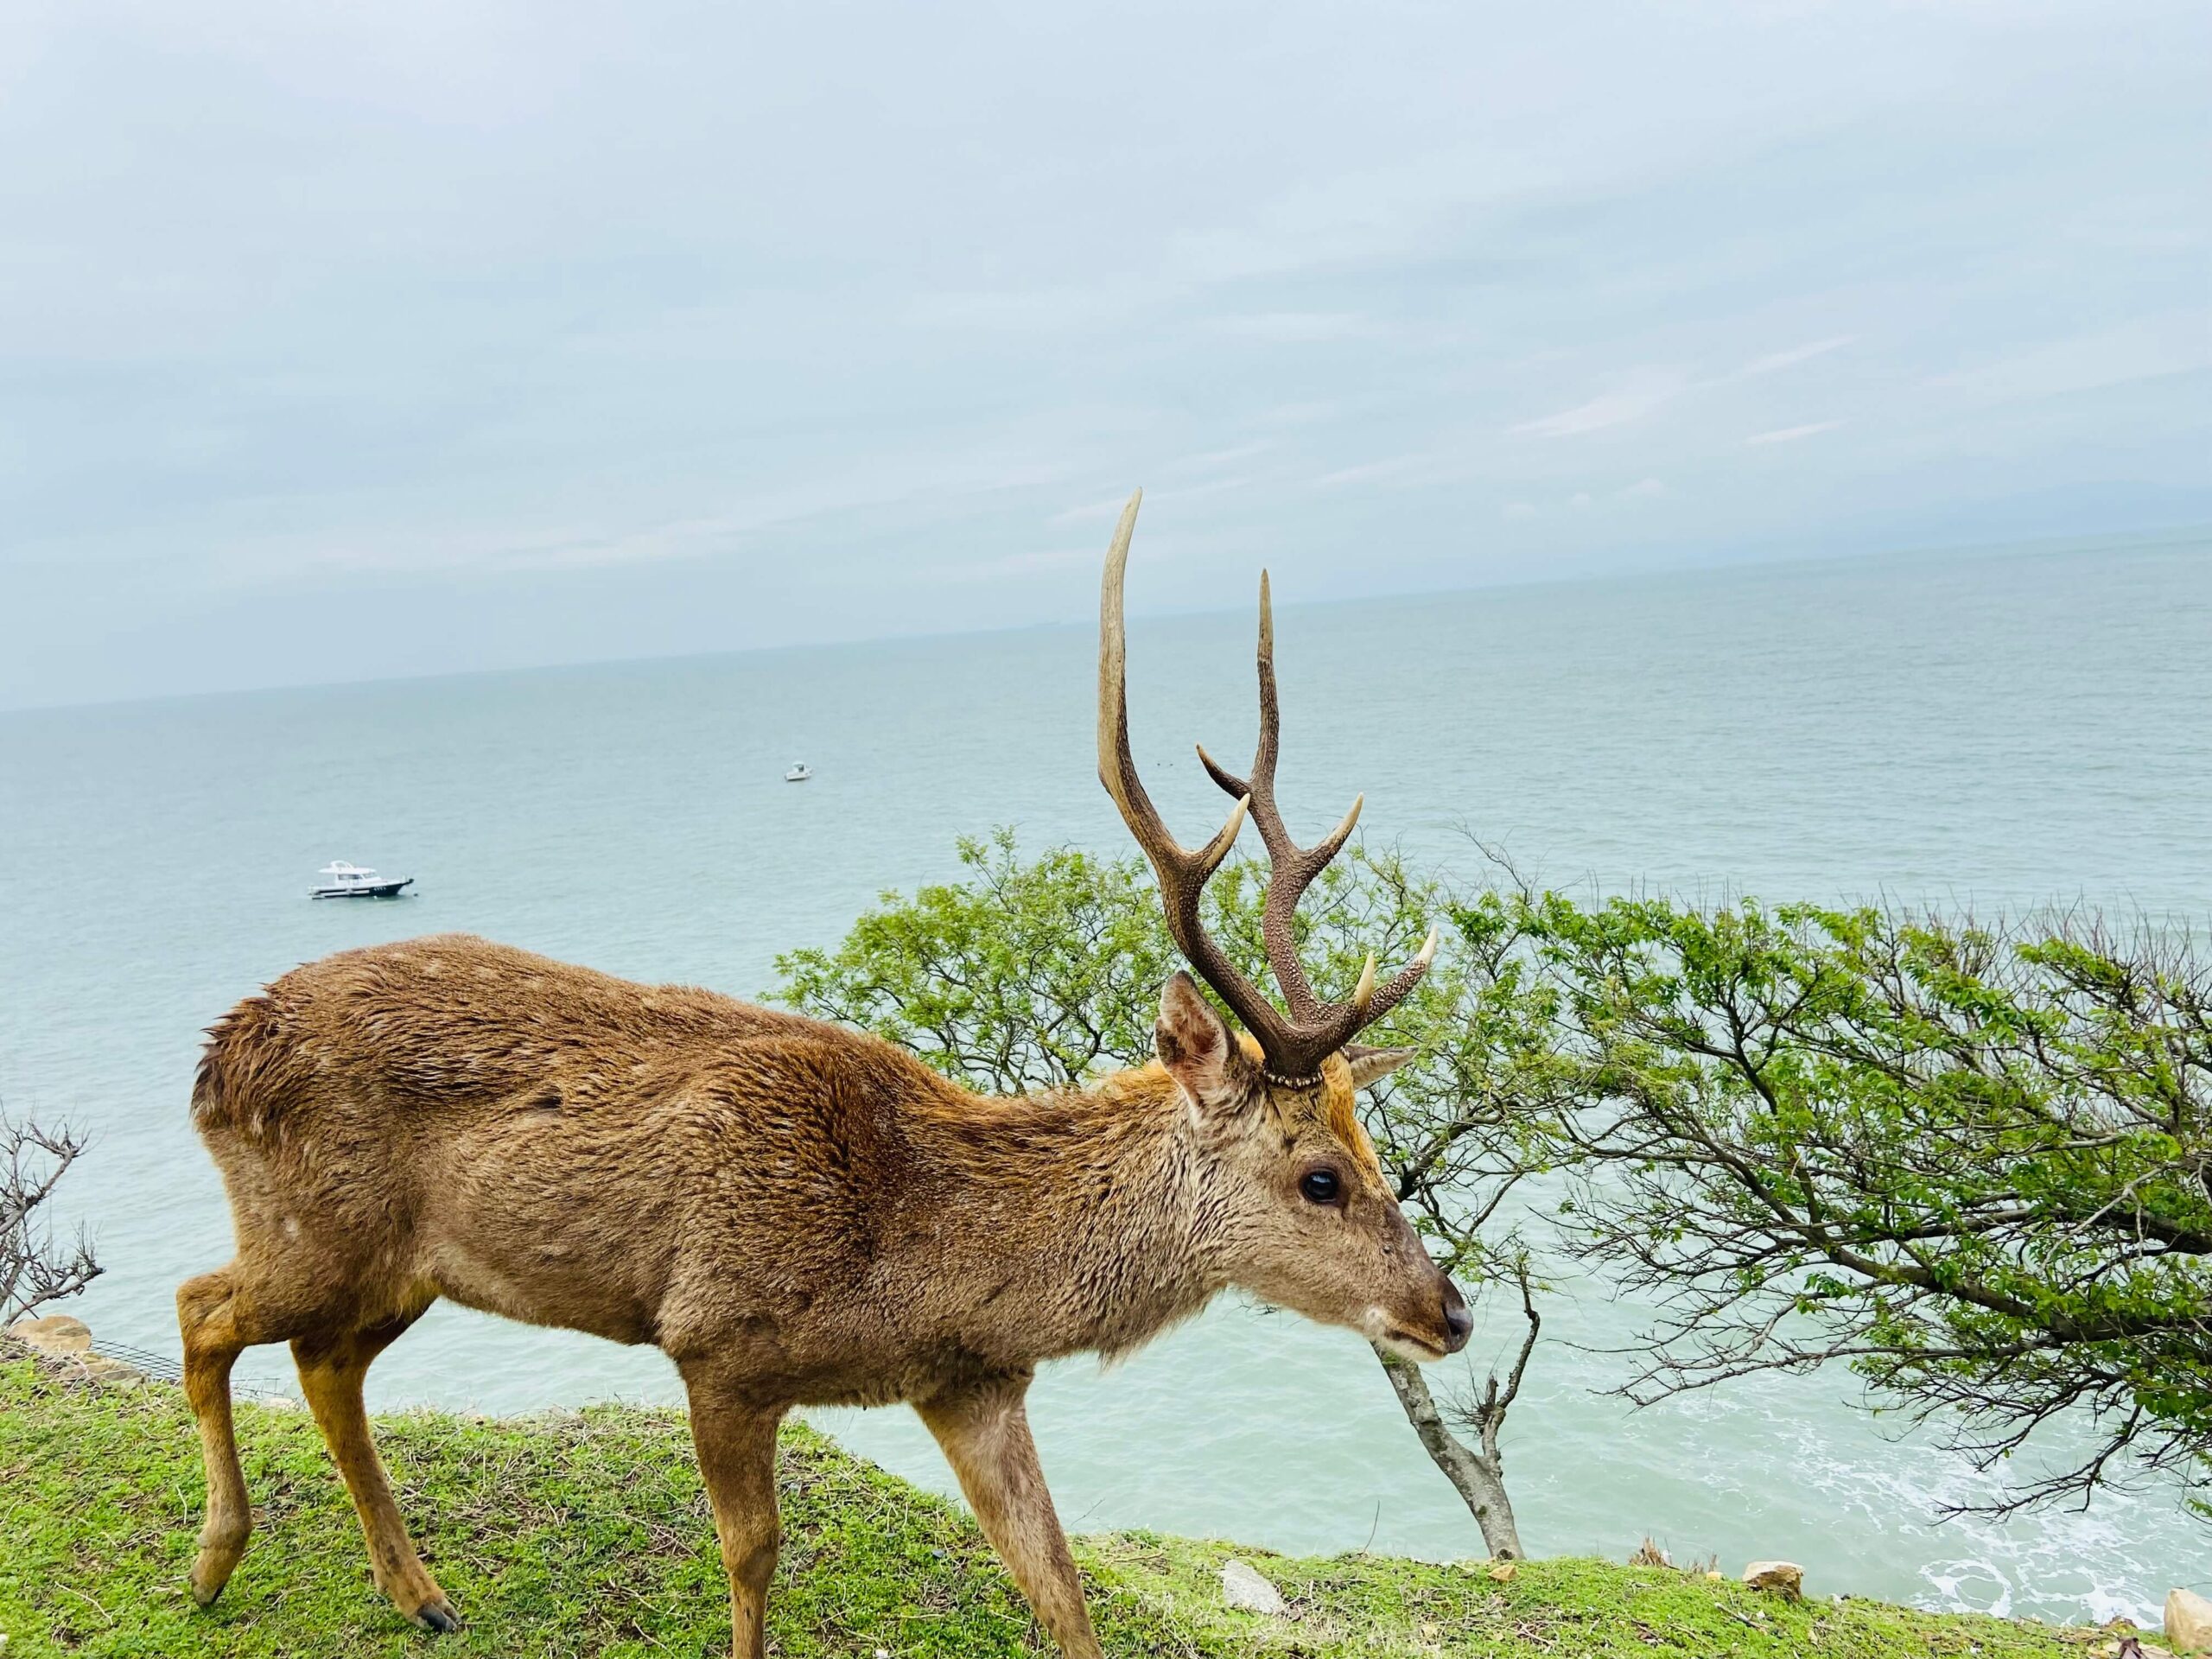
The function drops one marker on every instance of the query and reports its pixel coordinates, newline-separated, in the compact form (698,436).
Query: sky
(355,340)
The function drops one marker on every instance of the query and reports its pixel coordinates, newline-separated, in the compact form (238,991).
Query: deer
(795,1213)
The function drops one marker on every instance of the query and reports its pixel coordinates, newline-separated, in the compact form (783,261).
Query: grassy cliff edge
(588,1534)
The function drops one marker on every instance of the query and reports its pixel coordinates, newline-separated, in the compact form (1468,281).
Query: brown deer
(796,1214)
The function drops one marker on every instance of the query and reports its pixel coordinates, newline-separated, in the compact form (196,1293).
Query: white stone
(2189,1622)
(58,1335)
(1784,1579)
(1241,1587)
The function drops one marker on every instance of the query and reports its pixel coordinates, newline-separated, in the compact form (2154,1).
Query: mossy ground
(589,1535)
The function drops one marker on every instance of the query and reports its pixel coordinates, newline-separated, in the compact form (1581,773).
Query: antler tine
(1322,1028)
(1181,873)
(1291,869)
(1296,1046)
(1379,1003)
(1339,1023)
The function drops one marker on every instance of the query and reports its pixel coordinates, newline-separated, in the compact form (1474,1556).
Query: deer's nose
(1457,1322)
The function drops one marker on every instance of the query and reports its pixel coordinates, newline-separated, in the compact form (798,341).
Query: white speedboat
(799,773)
(339,880)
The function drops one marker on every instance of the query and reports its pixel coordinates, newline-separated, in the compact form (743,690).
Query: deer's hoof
(210,1573)
(437,1618)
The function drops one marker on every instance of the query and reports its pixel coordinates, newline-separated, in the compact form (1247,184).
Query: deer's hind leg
(215,1328)
(331,1368)
(260,1295)
(252,1299)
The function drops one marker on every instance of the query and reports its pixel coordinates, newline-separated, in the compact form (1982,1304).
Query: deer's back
(556,1144)
(441,1027)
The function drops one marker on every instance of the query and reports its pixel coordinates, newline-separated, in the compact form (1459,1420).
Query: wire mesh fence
(250,1385)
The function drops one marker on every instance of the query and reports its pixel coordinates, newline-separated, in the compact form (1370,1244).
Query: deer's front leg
(984,1430)
(736,1443)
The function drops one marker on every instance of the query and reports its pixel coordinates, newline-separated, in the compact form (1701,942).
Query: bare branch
(35,1267)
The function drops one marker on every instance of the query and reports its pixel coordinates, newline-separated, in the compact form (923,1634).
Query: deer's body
(797,1214)
(800,1202)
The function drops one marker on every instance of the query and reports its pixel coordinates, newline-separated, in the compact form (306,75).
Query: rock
(60,1335)
(1503,1571)
(2189,1622)
(1783,1578)
(1241,1586)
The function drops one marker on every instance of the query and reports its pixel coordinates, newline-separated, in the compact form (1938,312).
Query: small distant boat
(342,880)
(799,773)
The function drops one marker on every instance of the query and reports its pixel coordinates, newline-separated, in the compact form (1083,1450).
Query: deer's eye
(1320,1185)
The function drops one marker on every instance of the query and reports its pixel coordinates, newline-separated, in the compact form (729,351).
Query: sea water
(2009,730)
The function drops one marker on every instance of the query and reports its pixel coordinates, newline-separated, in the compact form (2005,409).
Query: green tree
(1035,974)
(1025,976)
(1974,1163)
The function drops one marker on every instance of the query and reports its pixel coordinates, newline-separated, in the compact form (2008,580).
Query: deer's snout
(1458,1323)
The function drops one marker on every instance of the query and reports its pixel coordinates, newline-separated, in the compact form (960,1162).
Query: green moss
(589,1535)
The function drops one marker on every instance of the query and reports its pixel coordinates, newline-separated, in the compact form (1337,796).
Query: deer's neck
(1078,1220)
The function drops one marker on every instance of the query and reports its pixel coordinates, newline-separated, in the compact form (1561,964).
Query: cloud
(1110,506)
(1011,564)
(1106,507)
(1291,328)
(1616,408)
(527,309)
(1580,502)
(1792,434)
(1297,414)
(2144,348)
(1042,310)
(1368,472)
(1211,458)
(1774,360)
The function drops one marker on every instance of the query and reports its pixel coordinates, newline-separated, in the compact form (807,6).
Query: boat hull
(365,890)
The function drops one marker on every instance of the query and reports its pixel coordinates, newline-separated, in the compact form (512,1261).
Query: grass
(588,1534)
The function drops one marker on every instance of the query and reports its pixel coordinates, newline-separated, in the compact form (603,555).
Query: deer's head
(1310,1219)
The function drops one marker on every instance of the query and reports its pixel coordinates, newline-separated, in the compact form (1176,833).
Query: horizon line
(1733,563)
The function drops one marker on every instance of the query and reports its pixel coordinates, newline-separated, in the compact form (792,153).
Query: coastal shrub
(1973,1162)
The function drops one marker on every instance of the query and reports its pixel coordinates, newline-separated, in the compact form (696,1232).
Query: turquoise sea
(2007,729)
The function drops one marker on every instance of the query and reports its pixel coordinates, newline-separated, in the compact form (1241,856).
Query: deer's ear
(1195,1046)
(1373,1064)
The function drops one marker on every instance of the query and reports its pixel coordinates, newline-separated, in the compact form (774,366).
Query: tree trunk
(1478,1479)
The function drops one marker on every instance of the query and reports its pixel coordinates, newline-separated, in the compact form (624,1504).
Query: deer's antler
(1295,1046)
